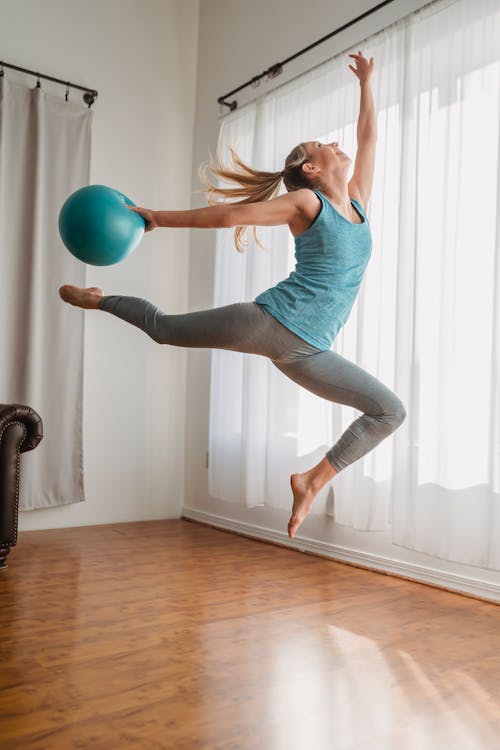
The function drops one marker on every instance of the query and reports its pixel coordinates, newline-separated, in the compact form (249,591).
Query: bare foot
(87,298)
(303,496)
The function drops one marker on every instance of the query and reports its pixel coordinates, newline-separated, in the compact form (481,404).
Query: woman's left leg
(331,376)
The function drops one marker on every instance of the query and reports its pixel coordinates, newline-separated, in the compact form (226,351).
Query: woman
(295,322)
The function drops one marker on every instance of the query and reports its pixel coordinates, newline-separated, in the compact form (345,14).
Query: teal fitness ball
(97,227)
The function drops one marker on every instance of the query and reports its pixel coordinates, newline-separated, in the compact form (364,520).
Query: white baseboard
(457,584)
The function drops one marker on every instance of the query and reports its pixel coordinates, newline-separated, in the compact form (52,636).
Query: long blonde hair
(253,185)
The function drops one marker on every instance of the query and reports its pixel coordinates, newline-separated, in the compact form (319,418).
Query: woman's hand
(364,68)
(147,215)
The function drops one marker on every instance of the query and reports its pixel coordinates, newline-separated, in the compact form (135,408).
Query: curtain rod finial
(232,105)
(89,97)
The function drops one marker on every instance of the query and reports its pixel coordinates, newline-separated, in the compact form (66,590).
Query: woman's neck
(338,195)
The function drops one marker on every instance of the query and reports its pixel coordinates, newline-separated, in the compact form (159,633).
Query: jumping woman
(295,322)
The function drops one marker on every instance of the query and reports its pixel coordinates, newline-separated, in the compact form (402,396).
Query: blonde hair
(253,185)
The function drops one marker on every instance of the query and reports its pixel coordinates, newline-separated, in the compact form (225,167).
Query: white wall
(141,57)
(237,40)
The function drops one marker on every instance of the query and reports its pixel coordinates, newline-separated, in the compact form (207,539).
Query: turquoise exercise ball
(97,227)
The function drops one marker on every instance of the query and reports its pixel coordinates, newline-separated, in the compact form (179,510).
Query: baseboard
(457,584)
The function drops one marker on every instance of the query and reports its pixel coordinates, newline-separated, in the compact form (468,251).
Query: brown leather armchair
(20,430)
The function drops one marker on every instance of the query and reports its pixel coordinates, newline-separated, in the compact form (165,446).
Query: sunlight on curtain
(426,322)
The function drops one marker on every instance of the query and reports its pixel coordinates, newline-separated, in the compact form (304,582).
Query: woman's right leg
(242,327)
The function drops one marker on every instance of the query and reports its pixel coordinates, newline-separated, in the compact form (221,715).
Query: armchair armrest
(25,416)
(20,430)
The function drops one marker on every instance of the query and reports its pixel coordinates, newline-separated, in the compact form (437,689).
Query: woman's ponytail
(253,185)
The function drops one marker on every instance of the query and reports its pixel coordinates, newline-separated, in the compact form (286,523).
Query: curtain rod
(89,97)
(276,69)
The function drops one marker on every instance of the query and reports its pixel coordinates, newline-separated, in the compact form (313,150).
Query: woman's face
(326,156)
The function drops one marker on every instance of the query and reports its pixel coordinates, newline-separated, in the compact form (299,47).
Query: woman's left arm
(367,120)
(360,185)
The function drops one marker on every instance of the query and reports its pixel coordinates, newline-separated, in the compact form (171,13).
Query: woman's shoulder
(309,204)
(308,200)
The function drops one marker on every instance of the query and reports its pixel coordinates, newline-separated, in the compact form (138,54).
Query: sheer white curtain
(44,156)
(426,322)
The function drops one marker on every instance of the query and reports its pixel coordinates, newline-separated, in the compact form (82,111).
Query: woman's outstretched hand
(364,68)
(147,215)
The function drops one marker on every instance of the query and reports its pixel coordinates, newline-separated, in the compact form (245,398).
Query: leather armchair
(20,430)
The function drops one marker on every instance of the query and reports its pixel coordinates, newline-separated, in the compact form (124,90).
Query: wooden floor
(178,636)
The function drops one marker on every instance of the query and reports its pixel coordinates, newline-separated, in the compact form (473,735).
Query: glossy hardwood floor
(178,636)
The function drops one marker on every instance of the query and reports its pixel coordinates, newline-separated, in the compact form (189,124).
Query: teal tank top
(331,256)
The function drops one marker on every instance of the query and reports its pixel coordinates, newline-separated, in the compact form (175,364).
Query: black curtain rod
(90,94)
(277,68)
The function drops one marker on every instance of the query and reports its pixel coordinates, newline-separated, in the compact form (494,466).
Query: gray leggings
(248,327)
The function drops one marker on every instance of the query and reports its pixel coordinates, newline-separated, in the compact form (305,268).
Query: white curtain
(44,156)
(426,322)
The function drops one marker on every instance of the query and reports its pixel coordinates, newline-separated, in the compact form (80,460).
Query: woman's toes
(64,292)
(87,298)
